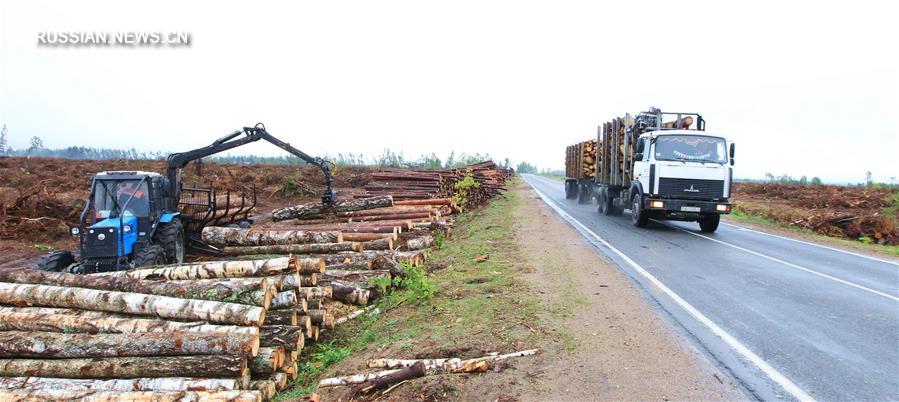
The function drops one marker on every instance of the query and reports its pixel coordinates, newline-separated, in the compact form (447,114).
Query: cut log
(391,217)
(266,388)
(93,322)
(221,236)
(308,280)
(431,201)
(318,291)
(56,345)
(135,396)
(315,210)
(284,300)
(267,361)
(354,314)
(130,384)
(349,293)
(321,318)
(314,248)
(354,276)
(224,291)
(214,366)
(368,236)
(281,317)
(418,243)
(407,373)
(446,365)
(280,380)
(291,337)
(213,269)
(131,303)
(380,244)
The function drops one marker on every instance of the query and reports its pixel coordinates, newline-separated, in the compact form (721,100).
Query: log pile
(410,184)
(226,330)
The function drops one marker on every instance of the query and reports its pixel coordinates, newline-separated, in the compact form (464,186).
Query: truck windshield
(111,195)
(690,148)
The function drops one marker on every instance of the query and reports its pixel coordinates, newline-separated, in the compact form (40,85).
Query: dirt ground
(622,349)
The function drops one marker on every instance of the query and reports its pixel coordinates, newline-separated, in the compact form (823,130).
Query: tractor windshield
(111,197)
(690,148)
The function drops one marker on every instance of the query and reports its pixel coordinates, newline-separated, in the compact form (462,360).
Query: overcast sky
(802,88)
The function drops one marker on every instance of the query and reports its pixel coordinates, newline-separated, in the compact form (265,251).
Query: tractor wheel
(171,237)
(150,255)
(56,261)
(709,223)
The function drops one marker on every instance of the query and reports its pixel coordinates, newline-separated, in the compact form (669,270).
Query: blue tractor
(135,218)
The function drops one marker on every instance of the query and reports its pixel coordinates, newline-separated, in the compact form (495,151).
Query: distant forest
(388,158)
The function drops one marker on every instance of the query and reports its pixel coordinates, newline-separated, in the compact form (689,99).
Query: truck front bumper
(687,209)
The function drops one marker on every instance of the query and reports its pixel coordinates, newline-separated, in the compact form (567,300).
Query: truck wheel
(56,261)
(608,206)
(639,217)
(150,255)
(583,194)
(570,191)
(709,223)
(171,237)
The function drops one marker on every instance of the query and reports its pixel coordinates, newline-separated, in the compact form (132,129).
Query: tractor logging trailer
(667,170)
(135,218)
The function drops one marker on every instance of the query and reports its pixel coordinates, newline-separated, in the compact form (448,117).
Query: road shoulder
(615,345)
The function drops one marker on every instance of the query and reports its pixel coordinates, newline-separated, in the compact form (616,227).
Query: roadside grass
(738,215)
(470,297)
(552,176)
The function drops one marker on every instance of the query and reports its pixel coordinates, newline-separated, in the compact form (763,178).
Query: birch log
(368,236)
(380,244)
(281,317)
(213,269)
(418,243)
(414,371)
(267,361)
(284,300)
(222,236)
(349,293)
(286,282)
(131,303)
(289,336)
(130,384)
(319,291)
(93,322)
(313,248)
(225,291)
(266,388)
(215,366)
(57,345)
(43,395)
(321,318)
(315,210)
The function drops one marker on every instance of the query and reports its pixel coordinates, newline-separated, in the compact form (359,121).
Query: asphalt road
(785,318)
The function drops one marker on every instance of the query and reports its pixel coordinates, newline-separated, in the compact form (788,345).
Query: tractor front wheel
(171,237)
(149,255)
(56,261)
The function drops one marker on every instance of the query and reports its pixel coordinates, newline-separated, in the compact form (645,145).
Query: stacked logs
(581,159)
(410,184)
(227,330)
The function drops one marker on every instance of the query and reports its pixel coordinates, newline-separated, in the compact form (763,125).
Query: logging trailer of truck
(672,170)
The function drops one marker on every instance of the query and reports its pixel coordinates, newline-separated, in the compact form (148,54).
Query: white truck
(672,170)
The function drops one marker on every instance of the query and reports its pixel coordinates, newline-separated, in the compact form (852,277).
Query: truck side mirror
(732,149)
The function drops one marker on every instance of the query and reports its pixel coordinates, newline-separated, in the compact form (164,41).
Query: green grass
(552,176)
(741,216)
(455,302)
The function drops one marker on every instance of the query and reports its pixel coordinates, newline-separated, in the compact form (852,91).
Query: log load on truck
(580,165)
(659,165)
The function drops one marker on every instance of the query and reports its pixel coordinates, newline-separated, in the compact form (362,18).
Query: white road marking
(738,346)
(789,264)
(811,244)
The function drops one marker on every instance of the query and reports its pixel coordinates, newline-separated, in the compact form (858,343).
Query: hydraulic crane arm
(178,161)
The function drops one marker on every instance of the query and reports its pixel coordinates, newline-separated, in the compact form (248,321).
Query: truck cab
(682,175)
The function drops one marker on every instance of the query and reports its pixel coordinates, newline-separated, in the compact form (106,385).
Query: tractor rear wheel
(149,255)
(171,237)
(56,261)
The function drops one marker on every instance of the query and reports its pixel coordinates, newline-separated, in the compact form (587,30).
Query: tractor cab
(123,214)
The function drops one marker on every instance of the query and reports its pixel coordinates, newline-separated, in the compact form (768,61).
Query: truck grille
(691,188)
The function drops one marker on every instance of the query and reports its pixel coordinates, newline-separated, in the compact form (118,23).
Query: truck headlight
(657,204)
(722,208)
